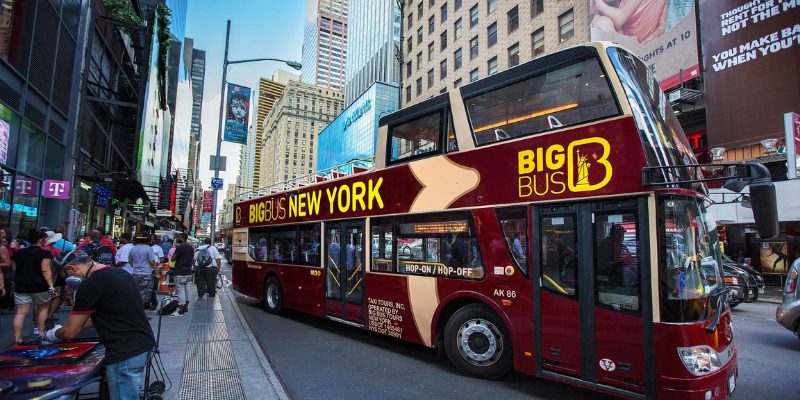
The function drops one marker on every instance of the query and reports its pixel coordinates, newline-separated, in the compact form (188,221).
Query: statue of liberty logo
(583,170)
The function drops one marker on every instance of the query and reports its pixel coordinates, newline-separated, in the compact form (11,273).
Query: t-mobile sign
(55,189)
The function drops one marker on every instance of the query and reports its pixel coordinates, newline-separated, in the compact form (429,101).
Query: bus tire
(477,342)
(273,296)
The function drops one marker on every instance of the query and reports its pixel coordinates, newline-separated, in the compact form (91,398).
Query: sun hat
(53,237)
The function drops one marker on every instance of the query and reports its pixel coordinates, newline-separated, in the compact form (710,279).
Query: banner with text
(661,32)
(238,113)
(208,200)
(751,57)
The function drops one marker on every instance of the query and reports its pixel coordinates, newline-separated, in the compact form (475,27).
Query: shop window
(9,136)
(25,210)
(7,182)
(31,150)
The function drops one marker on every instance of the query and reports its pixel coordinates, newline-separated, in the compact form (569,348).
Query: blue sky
(259,28)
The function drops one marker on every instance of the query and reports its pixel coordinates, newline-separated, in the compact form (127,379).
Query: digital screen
(435,227)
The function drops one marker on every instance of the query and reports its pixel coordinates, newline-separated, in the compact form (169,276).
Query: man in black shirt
(183,259)
(110,297)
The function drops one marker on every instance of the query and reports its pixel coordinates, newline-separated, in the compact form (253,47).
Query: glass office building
(354,133)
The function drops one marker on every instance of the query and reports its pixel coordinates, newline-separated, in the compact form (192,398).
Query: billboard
(773,257)
(751,59)
(237,114)
(662,32)
(208,200)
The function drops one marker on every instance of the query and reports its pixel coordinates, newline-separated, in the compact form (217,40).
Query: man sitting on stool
(110,297)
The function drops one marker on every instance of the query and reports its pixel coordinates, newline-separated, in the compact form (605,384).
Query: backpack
(101,253)
(204,257)
(168,305)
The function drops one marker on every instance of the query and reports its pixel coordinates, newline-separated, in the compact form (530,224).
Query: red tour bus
(550,219)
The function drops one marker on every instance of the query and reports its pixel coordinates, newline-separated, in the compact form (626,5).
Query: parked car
(755,281)
(736,279)
(788,313)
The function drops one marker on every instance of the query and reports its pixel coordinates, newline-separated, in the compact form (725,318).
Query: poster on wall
(5,131)
(773,256)
(663,33)
(751,59)
(237,114)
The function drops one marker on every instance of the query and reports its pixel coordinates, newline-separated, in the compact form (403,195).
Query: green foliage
(163,14)
(123,11)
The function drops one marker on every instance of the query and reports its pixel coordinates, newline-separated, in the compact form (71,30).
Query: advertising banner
(54,189)
(662,32)
(208,200)
(26,187)
(751,58)
(791,122)
(773,257)
(237,114)
(5,130)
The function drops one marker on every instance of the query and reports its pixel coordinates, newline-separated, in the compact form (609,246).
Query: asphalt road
(319,359)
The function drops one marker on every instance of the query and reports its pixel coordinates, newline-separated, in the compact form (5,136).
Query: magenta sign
(55,189)
(26,187)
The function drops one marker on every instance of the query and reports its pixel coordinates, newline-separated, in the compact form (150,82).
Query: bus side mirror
(765,208)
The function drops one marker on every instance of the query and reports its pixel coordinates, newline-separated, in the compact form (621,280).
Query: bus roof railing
(352,167)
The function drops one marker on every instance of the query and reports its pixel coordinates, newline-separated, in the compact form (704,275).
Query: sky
(259,29)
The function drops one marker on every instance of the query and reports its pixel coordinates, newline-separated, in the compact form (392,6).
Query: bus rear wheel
(273,296)
(477,342)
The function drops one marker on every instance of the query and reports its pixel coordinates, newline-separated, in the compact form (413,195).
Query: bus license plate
(731,383)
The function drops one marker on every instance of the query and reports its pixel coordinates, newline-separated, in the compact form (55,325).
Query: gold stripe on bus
(527,117)
(443,182)
(424,300)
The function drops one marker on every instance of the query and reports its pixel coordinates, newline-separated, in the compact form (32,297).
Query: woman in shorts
(33,282)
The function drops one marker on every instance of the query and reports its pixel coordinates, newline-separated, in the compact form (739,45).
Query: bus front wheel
(273,296)
(477,342)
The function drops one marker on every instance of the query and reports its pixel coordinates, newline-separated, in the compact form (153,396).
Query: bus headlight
(700,360)
(732,280)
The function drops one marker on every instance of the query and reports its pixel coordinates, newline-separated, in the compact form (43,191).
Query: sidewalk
(210,353)
(772,295)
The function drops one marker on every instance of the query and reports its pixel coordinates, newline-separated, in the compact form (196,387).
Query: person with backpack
(208,261)
(121,259)
(100,252)
(145,268)
(183,257)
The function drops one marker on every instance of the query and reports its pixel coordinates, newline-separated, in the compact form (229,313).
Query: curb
(266,367)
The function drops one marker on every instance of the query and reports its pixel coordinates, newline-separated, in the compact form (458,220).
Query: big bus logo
(237,214)
(580,167)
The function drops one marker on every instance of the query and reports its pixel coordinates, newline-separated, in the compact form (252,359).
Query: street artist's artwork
(62,353)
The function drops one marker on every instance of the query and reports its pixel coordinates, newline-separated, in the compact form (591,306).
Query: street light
(225,63)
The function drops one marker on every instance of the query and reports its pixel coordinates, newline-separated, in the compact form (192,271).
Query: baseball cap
(71,257)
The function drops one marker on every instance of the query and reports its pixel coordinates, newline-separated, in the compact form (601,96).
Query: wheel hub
(272,296)
(480,342)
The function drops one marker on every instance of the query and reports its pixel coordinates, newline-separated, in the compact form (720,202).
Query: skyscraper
(198,72)
(325,43)
(373,40)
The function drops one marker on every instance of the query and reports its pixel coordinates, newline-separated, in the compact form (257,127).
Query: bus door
(589,317)
(344,270)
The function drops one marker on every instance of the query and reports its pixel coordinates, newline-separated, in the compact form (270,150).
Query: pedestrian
(52,238)
(111,299)
(183,259)
(159,252)
(33,282)
(144,266)
(121,259)
(63,243)
(99,251)
(208,261)
(58,280)
(7,299)
(166,245)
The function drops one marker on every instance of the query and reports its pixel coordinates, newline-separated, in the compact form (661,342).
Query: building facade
(198,72)
(447,43)
(325,43)
(373,45)
(354,133)
(289,148)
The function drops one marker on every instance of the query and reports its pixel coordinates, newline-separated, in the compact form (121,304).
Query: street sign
(216,183)
(223,162)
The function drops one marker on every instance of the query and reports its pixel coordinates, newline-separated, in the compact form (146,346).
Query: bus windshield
(689,266)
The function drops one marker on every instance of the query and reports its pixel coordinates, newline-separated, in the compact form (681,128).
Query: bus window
(283,245)
(416,138)
(616,261)
(513,223)
(382,246)
(559,256)
(567,96)
(309,244)
(452,143)
(258,248)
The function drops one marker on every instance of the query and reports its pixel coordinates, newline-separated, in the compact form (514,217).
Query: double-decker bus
(550,219)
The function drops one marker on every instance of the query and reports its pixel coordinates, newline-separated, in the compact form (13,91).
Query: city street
(322,359)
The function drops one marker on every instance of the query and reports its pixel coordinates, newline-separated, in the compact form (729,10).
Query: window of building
(419,11)
(431,24)
(431,3)
(443,12)
(491,5)
(563,97)
(491,35)
(419,60)
(430,51)
(457,60)
(513,19)
(513,55)
(443,39)
(473,48)
(457,5)
(419,137)
(443,90)
(473,16)
(443,69)
(537,7)
(408,93)
(492,66)
(537,42)
(457,29)
(409,44)
(473,75)
(457,83)
(408,74)
(566,26)
(419,86)
(410,21)
(430,78)
(419,35)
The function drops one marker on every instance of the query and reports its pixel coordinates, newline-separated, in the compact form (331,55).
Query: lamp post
(225,64)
